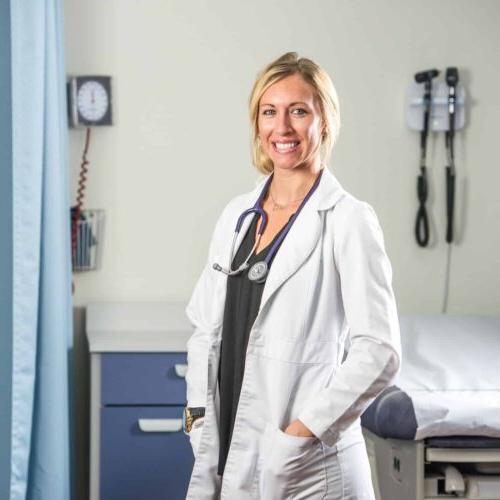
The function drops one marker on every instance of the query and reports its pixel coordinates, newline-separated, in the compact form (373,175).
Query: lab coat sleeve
(370,311)
(199,312)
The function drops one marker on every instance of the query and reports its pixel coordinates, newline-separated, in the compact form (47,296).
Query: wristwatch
(191,415)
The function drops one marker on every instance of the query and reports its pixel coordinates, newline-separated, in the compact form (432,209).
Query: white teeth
(285,145)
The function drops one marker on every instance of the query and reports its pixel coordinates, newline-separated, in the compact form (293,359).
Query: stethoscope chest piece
(258,272)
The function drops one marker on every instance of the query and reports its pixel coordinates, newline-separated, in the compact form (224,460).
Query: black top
(241,307)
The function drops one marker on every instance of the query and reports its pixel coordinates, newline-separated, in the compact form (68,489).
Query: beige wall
(179,148)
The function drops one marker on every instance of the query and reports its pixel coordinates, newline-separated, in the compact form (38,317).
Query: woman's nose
(283,123)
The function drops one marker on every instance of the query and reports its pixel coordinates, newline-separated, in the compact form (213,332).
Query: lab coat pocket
(291,466)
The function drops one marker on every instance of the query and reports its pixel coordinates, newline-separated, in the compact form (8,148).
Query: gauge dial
(92,101)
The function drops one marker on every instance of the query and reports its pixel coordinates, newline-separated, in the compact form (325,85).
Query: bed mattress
(449,383)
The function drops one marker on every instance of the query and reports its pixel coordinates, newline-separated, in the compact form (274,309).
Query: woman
(275,410)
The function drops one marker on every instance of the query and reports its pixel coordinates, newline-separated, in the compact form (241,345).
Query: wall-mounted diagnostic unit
(436,106)
(89,105)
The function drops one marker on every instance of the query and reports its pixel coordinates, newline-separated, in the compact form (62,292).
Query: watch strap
(191,414)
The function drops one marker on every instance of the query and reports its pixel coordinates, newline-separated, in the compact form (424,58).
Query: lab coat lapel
(300,240)
(295,249)
(303,235)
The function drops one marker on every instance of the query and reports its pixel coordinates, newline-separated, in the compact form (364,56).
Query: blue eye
(265,112)
(303,111)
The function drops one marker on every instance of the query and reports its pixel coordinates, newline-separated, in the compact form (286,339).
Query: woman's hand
(297,428)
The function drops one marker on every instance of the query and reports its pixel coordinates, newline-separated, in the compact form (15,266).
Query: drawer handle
(181,370)
(160,424)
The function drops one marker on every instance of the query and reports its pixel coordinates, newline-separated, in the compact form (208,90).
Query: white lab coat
(329,283)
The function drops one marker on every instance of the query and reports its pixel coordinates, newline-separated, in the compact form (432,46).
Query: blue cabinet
(138,450)
(144,454)
(152,378)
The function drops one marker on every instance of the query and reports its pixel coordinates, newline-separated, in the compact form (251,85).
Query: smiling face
(290,124)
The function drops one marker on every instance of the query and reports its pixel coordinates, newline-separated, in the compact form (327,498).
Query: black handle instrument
(451,80)
(422,221)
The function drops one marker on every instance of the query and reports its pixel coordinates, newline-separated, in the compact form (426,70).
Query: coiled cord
(422,222)
(80,194)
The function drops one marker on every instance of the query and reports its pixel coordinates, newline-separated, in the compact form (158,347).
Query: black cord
(447,278)
(422,222)
(451,80)
(450,202)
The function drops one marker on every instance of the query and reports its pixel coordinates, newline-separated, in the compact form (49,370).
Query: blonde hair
(286,65)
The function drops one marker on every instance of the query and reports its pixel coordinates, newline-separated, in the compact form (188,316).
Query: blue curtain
(6,250)
(42,367)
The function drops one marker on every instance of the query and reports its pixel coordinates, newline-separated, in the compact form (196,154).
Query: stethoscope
(259,271)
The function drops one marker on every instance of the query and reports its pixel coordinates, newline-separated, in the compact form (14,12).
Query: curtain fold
(42,438)
(6,251)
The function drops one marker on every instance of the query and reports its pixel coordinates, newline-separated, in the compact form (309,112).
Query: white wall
(179,148)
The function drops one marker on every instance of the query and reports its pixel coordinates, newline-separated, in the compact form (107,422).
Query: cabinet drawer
(137,464)
(143,378)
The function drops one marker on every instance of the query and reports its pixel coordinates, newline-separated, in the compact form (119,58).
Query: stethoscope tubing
(257,209)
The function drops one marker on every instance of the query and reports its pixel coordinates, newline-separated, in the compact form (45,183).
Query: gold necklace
(280,206)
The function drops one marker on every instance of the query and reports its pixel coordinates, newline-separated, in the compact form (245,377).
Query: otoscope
(451,80)
(422,222)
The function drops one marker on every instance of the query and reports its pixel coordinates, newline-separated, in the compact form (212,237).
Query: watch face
(92,100)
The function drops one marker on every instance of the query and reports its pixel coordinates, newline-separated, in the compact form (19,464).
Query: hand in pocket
(291,466)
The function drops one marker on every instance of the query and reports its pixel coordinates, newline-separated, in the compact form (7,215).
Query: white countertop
(137,326)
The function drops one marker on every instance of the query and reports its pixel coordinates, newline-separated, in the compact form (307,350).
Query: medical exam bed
(436,432)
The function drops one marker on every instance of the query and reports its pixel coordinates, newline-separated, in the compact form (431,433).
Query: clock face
(92,100)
